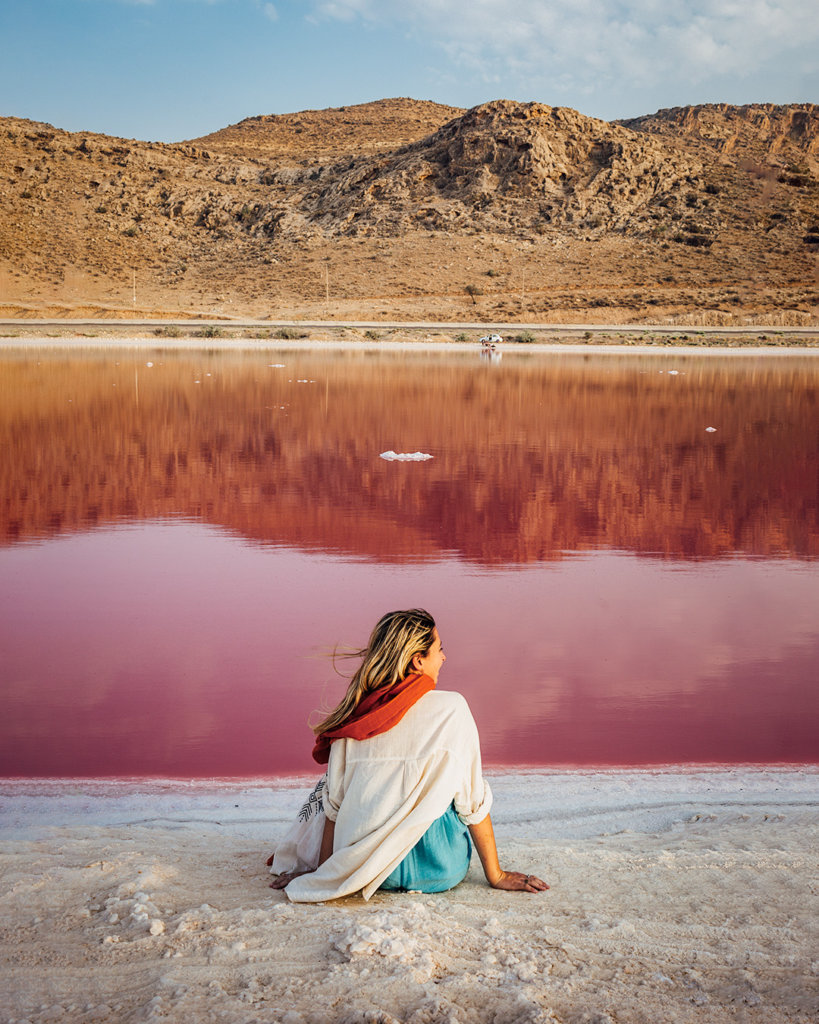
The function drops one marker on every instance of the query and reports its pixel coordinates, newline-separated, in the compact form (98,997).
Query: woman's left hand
(282,881)
(516,881)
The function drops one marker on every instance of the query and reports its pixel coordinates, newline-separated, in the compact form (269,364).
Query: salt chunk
(392,456)
(591,924)
(157,927)
(527,972)
(710,430)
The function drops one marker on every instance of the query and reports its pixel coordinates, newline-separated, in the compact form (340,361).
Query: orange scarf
(376,713)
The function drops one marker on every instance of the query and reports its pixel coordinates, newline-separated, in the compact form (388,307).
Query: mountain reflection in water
(532,458)
(267,526)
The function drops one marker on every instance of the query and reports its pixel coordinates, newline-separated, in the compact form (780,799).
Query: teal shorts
(438,861)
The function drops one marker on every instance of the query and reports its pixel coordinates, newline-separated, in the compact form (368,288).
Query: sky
(168,70)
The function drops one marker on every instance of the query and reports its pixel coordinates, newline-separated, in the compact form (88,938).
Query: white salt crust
(676,896)
(392,456)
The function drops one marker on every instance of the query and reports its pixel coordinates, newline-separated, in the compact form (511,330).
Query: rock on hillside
(312,137)
(507,166)
(759,131)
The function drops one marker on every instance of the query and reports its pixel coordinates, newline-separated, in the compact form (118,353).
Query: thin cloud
(596,44)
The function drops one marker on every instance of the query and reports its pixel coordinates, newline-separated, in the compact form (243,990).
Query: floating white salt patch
(149,364)
(405,456)
(710,430)
(276,366)
(673,373)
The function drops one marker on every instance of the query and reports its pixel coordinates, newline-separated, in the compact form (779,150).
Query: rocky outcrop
(505,167)
(778,134)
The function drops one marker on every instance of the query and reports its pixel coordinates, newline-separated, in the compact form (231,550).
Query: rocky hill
(511,169)
(407,209)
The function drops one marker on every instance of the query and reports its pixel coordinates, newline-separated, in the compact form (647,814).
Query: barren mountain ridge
(409,209)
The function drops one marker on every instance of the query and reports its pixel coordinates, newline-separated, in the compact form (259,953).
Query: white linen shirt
(384,792)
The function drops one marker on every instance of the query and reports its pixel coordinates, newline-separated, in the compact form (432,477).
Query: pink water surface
(184,538)
(173,649)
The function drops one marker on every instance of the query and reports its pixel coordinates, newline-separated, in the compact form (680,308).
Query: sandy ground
(676,896)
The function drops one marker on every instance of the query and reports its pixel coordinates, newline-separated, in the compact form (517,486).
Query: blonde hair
(386,660)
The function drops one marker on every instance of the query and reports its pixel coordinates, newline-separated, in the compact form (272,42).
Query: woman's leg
(438,861)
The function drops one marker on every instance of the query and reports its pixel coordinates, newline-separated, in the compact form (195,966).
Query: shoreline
(506,349)
(288,780)
(243,333)
(481,326)
(575,797)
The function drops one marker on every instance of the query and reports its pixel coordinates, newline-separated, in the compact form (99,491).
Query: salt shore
(677,895)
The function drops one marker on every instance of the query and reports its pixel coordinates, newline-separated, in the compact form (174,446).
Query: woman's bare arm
(483,836)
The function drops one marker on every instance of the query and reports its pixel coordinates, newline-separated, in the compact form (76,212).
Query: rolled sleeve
(473,812)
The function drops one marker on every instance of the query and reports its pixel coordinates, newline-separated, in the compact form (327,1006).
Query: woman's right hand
(516,881)
(483,836)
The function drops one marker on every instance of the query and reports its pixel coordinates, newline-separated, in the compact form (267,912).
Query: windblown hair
(386,660)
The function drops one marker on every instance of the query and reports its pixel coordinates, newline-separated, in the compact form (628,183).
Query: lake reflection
(184,541)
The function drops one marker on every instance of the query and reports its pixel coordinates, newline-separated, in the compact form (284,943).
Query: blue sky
(168,70)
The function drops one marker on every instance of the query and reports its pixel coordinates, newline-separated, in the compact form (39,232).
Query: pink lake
(183,544)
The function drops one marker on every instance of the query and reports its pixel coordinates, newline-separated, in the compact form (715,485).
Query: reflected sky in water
(185,543)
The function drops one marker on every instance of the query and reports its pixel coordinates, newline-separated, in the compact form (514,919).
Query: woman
(404,790)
